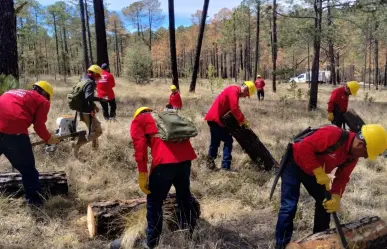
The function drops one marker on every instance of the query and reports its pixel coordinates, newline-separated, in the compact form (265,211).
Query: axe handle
(75,134)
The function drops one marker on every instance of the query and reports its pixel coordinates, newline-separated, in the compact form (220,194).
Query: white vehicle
(323,77)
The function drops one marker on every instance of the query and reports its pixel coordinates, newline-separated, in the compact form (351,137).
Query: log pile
(353,120)
(52,183)
(108,217)
(367,233)
(249,142)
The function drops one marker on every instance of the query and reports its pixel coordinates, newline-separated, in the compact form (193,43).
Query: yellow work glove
(322,178)
(332,205)
(143,182)
(245,124)
(330,116)
(53,140)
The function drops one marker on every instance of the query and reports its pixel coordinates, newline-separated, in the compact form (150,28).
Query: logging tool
(343,240)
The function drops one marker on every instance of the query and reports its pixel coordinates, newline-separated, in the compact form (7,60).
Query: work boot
(210,163)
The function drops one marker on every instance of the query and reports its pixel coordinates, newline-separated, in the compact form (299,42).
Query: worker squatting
(308,160)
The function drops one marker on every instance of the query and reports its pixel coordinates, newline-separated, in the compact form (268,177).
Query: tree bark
(67,66)
(8,44)
(87,16)
(316,56)
(248,45)
(371,233)
(117,49)
(56,42)
(86,62)
(234,65)
(199,46)
(172,43)
(256,63)
(108,217)
(332,79)
(52,183)
(100,32)
(274,48)
(376,55)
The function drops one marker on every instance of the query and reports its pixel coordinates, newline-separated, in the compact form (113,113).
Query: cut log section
(108,217)
(52,183)
(353,120)
(249,142)
(367,233)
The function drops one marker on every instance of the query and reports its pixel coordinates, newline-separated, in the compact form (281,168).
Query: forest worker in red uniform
(171,165)
(105,91)
(311,159)
(227,100)
(260,84)
(19,109)
(175,99)
(338,103)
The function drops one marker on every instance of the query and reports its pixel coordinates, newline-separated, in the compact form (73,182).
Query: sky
(183,8)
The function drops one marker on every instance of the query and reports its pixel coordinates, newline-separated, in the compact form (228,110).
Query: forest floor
(236,211)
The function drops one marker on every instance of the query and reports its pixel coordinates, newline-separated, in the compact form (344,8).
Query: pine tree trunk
(248,49)
(316,56)
(234,65)
(56,43)
(332,79)
(376,55)
(67,51)
(274,52)
(100,32)
(86,62)
(370,65)
(8,42)
(256,62)
(87,17)
(117,49)
(199,45)
(64,65)
(172,43)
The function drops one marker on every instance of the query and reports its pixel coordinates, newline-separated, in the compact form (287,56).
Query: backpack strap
(343,138)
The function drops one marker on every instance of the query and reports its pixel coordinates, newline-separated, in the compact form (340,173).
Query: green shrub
(139,63)
(7,82)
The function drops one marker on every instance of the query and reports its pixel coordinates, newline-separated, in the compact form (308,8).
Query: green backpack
(75,99)
(172,127)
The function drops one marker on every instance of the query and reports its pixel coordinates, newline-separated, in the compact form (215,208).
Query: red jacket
(304,154)
(260,84)
(141,131)
(227,100)
(339,98)
(175,100)
(105,86)
(21,108)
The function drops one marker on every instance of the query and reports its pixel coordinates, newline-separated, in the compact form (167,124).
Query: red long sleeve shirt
(305,156)
(21,108)
(141,131)
(175,100)
(227,100)
(260,84)
(105,86)
(339,98)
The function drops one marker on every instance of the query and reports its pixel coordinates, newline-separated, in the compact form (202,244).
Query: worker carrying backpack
(75,99)
(172,127)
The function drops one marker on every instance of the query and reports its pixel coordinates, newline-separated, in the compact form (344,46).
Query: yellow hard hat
(375,137)
(45,86)
(259,76)
(353,87)
(251,86)
(140,110)
(95,69)
(173,87)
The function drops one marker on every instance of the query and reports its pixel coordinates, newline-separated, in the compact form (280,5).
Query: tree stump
(108,217)
(249,142)
(367,233)
(353,120)
(52,183)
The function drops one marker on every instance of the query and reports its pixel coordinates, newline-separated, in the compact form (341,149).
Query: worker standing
(105,91)
(310,160)
(19,109)
(338,102)
(227,100)
(260,84)
(175,99)
(171,165)
(89,109)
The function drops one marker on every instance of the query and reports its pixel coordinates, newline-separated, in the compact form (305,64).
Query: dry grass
(236,212)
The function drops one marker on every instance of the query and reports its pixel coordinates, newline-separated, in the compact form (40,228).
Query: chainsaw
(66,129)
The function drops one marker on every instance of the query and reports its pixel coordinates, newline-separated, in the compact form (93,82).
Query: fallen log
(367,233)
(52,183)
(353,120)
(108,217)
(249,142)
